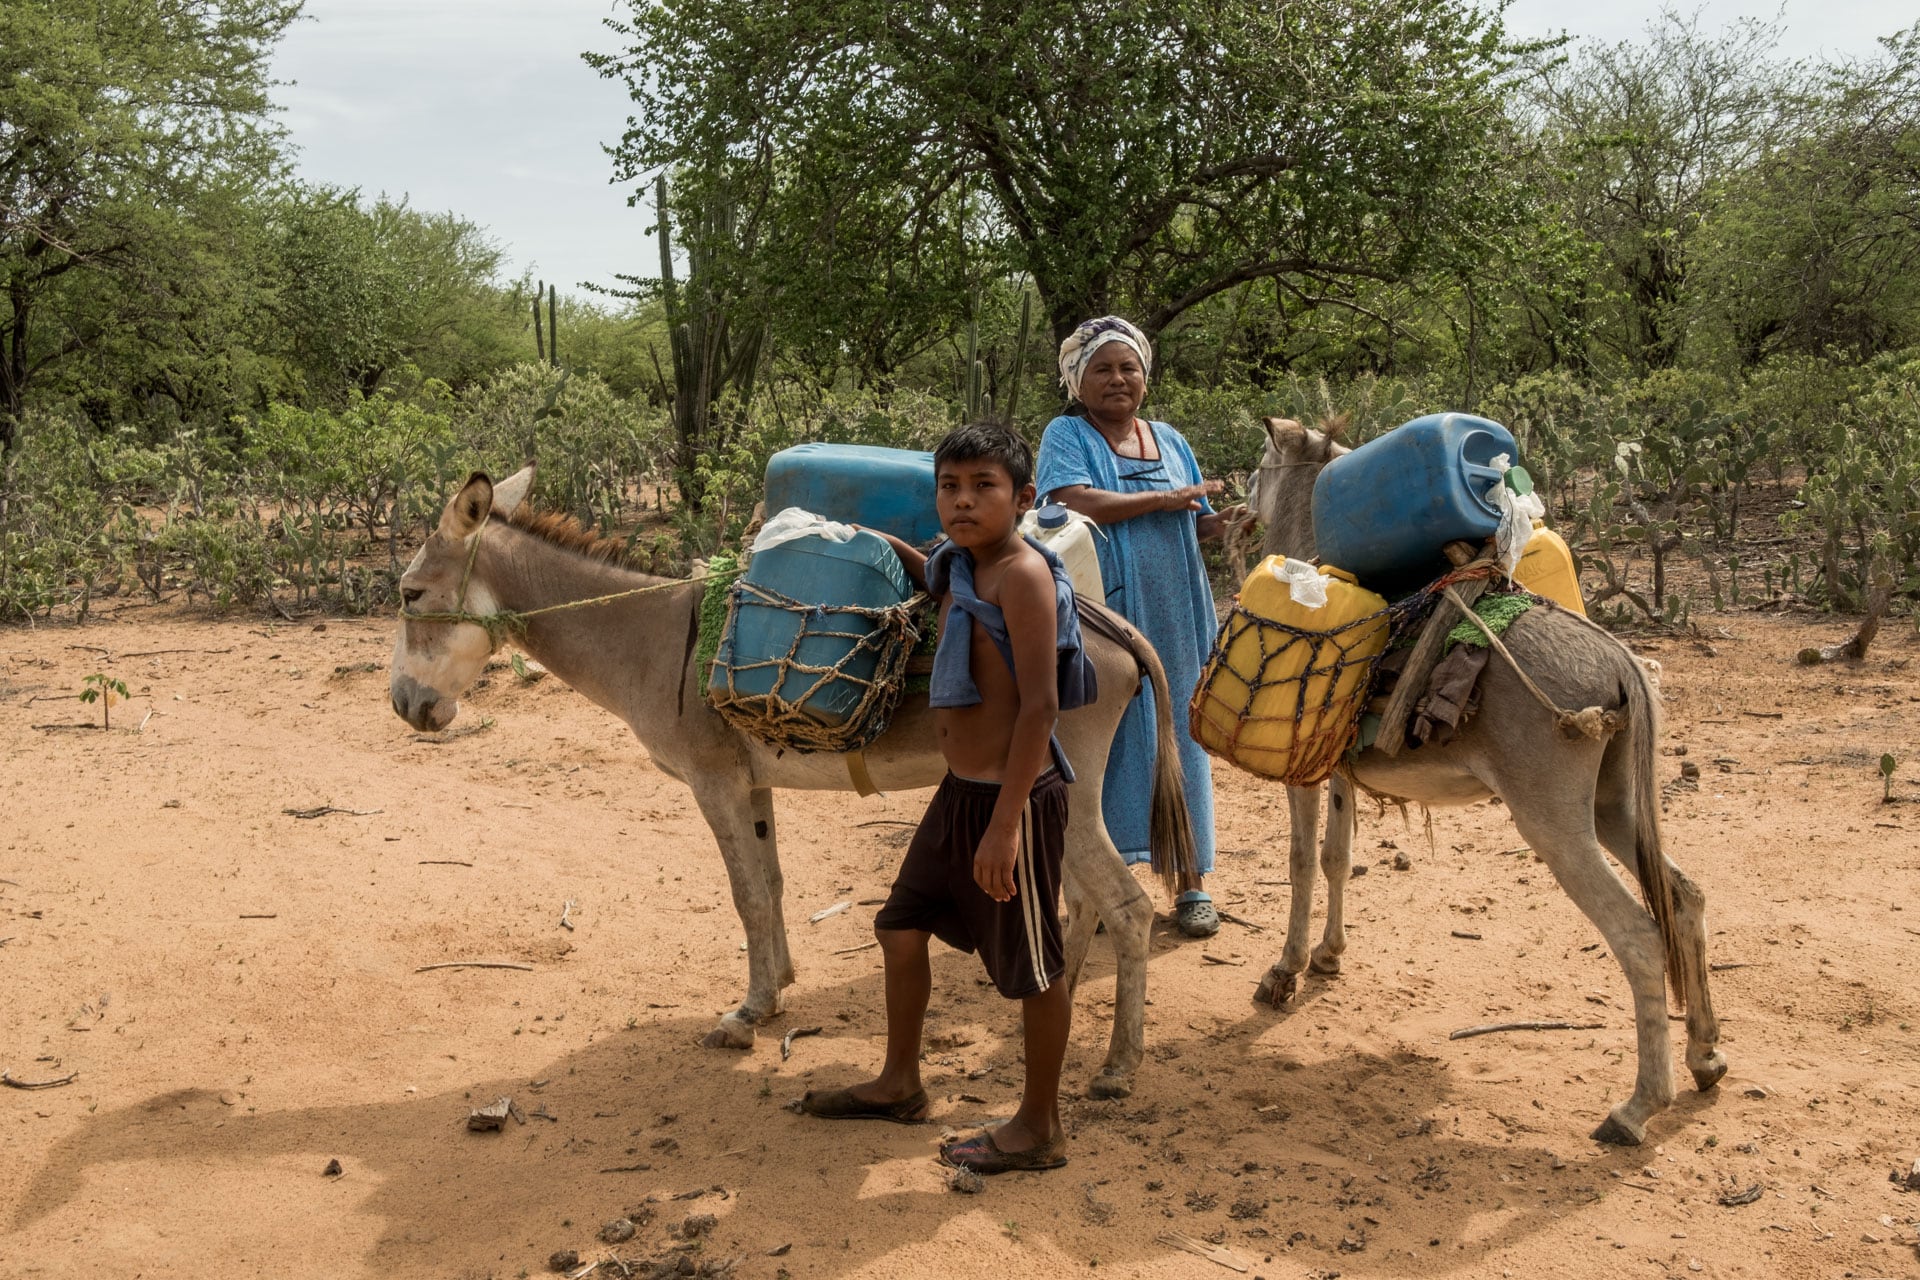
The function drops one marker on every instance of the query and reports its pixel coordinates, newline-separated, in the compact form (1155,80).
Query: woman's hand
(1187,497)
(1215,525)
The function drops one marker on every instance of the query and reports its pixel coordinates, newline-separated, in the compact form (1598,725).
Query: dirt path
(236,989)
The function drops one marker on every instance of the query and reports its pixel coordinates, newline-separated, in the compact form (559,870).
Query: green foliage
(128,132)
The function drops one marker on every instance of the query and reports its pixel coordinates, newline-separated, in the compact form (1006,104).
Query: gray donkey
(1573,800)
(626,640)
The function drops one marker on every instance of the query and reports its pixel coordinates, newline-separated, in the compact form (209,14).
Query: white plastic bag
(1305,583)
(1518,511)
(794,522)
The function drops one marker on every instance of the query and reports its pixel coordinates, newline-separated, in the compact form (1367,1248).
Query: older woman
(1140,483)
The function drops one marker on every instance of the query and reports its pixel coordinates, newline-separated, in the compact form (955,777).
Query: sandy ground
(234,989)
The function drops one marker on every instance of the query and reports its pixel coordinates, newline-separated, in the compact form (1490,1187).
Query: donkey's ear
(1285,434)
(511,492)
(468,510)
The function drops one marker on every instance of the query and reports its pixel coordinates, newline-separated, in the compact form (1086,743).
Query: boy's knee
(900,943)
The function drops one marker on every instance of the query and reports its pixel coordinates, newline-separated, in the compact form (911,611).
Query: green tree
(1641,138)
(121,121)
(1816,246)
(1149,156)
(364,287)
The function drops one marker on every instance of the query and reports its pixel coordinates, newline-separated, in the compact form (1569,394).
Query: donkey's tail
(1685,971)
(1169,826)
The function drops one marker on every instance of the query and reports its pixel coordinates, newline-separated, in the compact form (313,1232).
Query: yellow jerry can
(1546,569)
(1282,693)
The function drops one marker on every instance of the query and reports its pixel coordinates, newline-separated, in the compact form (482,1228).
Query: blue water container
(1384,511)
(886,489)
(833,576)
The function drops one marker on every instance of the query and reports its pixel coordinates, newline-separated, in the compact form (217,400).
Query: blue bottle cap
(1051,516)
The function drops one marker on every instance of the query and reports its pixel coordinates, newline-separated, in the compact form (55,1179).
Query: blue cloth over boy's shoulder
(950,572)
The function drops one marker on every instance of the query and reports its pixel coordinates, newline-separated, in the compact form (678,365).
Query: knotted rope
(1591,722)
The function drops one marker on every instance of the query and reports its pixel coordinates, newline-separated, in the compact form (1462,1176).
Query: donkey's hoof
(734,1032)
(1325,962)
(1276,988)
(1616,1132)
(1705,1077)
(1107,1086)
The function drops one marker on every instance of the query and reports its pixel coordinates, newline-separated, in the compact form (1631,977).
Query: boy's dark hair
(990,441)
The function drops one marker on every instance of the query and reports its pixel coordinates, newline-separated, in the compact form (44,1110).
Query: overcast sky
(483,107)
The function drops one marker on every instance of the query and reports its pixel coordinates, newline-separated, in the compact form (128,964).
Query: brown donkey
(626,640)
(1572,800)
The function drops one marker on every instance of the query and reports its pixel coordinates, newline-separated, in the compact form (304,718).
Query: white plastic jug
(1069,535)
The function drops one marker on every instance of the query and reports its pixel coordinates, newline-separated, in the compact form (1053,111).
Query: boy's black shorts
(1019,940)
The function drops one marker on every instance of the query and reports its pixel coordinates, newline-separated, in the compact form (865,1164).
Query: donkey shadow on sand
(626,640)
(1574,799)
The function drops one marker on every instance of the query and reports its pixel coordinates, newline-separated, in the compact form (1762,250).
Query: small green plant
(104,690)
(1012,1229)
(1887,763)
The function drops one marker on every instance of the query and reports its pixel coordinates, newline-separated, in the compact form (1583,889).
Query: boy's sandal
(1194,915)
(844,1104)
(982,1154)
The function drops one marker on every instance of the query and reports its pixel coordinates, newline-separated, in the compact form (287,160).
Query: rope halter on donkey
(502,623)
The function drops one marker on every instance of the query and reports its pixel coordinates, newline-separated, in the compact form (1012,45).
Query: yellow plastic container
(1546,569)
(1281,695)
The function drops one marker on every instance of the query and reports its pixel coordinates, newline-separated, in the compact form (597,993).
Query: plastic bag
(794,522)
(1306,585)
(1518,511)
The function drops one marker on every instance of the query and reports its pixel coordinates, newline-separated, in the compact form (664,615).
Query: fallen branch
(476,964)
(1211,1252)
(887,822)
(155,653)
(865,946)
(1765,715)
(1491,1027)
(566,912)
(1734,1199)
(833,910)
(1463,933)
(1212,959)
(1230,918)
(1730,964)
(6,1077)
(273,916)
(321,811)
(442,862)
(786,1041)
(70,725)
(1879,596)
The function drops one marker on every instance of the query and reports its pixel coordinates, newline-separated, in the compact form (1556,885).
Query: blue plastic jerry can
(830,577)
(1384,511)
(886,489)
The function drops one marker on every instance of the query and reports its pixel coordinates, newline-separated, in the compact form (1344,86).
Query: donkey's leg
(1096,874)
(766,844)
(1616,829)
(1704,1059)
(1336,863)
(1082,919)
(1556,822)
(726,802)
(1281,981)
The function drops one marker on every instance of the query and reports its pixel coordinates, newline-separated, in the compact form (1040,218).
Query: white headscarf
(1076,353)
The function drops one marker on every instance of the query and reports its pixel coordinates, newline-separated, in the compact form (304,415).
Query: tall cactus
(539,341)
(707,360)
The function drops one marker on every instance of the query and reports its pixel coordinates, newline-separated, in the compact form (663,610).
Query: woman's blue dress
(1154,576)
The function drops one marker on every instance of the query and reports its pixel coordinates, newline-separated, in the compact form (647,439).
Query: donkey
(491,568)
(1574,800)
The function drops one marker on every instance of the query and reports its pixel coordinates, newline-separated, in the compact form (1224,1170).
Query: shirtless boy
(983,871)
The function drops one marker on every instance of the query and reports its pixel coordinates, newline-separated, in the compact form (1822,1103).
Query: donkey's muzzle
(420,706)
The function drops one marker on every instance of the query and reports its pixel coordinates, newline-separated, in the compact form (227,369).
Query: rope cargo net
(781,718)
(1318,703)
